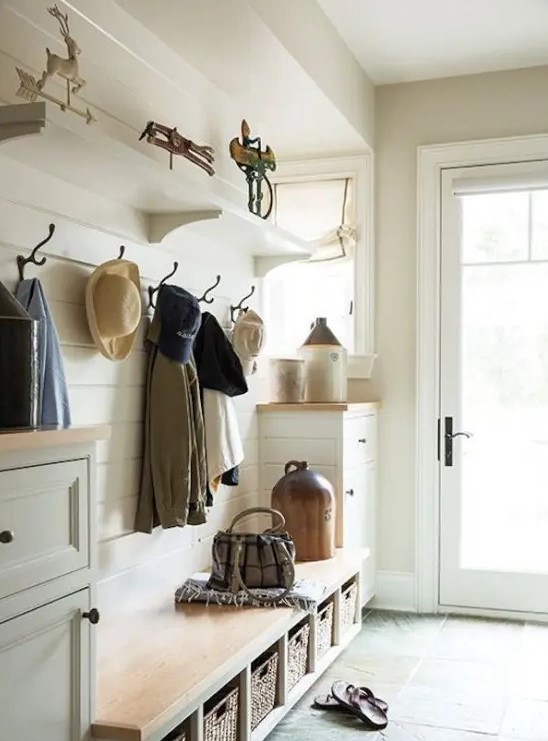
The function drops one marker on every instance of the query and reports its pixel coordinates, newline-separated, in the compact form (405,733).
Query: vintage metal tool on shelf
(169,139)
(254,162)
(30,88)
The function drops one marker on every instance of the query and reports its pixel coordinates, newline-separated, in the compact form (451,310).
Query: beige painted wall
(409,115)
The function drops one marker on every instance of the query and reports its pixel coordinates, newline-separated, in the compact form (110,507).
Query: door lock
(453,435)
(449,436)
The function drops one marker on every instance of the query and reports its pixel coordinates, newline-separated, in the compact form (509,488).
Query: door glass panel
(504,391)
(495,227)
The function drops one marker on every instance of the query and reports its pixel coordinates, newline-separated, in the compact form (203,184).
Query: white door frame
(431,161)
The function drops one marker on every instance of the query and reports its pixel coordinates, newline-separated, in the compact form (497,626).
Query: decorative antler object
(30,88)
(169,139)
(254,162)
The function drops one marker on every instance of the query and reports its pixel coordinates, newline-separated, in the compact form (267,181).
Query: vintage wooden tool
(254,162)
(169,139)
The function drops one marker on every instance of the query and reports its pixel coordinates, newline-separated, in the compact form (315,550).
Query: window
(330,207)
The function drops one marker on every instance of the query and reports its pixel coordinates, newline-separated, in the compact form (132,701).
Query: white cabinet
(340,442)
(47,572)
(45,671)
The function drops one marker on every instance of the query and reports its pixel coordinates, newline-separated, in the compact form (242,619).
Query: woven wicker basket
(264,681)
(348,606)
(297,656)
(324,639)
(221,722)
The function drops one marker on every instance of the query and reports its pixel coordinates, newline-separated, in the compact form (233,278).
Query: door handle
(453,435)
(448,437)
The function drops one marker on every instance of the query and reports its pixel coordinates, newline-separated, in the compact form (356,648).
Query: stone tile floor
(445,678)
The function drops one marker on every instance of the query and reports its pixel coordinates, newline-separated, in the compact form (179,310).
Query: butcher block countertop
(162,660)
(50,437)
(344,406)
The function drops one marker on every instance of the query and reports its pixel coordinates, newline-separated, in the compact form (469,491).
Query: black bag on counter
(19,392)
(19,368)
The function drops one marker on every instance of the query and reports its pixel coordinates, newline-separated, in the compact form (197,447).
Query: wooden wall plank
(102,391)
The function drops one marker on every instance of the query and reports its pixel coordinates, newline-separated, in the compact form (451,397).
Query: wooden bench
(158,665)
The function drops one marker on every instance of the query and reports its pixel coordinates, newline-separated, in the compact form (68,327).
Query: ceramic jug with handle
(307,501)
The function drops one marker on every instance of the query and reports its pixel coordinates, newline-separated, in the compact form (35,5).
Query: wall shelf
(21,120)
(116,166)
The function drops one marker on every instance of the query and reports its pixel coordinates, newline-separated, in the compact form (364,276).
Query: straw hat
(113,306)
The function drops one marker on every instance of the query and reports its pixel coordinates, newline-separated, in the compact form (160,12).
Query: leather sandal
(356,701)
(328,702)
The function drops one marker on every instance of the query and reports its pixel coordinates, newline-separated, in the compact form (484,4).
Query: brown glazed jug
(307,501)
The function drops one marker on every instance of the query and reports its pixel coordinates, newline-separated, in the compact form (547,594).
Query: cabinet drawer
(44,522)
(360,439)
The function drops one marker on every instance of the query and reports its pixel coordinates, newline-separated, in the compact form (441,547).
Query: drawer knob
(362,440)
(7,536)
(350,492)
(93,616)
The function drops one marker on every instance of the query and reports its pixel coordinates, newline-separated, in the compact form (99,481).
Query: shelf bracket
(21,120)
(263,264)
(160,225)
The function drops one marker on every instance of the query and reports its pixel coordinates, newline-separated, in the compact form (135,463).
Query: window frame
(358,168)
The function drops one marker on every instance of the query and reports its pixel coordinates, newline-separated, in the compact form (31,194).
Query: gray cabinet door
(45,673)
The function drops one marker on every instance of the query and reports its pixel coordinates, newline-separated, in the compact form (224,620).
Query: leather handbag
(245,561)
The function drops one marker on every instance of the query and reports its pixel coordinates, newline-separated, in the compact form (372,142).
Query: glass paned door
(494,396)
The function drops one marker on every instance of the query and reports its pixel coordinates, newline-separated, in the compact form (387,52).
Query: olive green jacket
(174,478)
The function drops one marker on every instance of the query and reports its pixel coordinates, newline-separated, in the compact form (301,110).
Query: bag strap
(260,510)
(239,582)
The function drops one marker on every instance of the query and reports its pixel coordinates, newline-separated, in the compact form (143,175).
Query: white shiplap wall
(102,391)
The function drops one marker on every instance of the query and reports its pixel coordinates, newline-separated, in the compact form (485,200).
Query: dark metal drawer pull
(362,440)
(350,492)
(7,536)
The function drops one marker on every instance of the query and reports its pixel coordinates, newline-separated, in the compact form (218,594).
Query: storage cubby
(241,685)
(297,653)
(221,715)
(264,686)
(324,628)
(348,606)
(181,733)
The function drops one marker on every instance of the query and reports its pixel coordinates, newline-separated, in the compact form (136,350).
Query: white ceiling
(405,40)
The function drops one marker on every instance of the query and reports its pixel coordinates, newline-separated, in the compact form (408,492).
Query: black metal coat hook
(22,261)
(152,291)
(122,251)
(204,298)
(241,304)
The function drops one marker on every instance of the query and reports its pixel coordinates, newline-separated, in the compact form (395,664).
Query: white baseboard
(395,591)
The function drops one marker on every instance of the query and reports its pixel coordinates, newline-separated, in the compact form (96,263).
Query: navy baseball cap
(180,320)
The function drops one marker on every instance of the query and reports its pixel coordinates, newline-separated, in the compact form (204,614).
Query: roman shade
(321,212)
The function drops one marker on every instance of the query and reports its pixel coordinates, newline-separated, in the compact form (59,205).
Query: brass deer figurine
(65,68)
